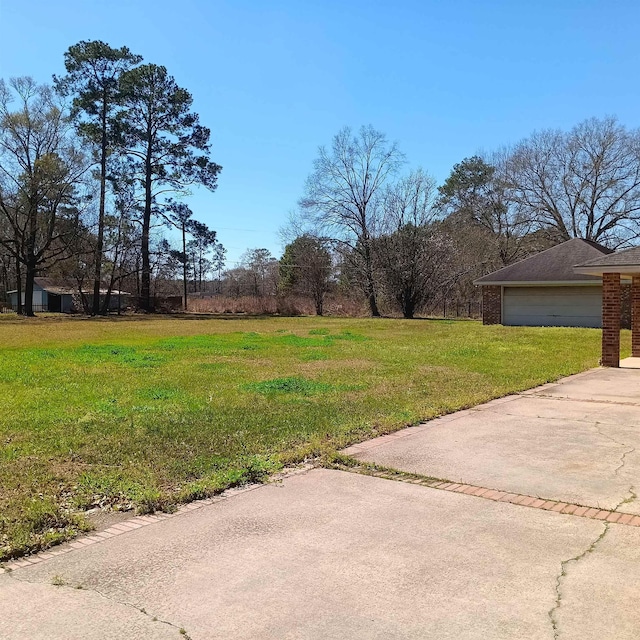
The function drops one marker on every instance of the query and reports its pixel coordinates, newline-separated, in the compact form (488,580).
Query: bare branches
(413,255)
(585,183)
(342,195)
(41,170)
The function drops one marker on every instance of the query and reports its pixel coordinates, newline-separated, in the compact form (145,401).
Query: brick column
(491,304)
(635,316)
(625,306)
(610,320)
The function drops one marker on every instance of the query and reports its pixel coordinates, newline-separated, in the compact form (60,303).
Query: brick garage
(544,290)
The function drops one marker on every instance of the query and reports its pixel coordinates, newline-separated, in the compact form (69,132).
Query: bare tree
(584,183)
(413,256)
(237,282)
(341,198)
(41,169)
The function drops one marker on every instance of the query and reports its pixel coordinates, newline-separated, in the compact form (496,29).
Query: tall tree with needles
(168,147)
(180,215)
(93,73)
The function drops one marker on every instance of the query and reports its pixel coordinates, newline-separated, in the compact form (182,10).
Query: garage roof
(553,265)
(624,262)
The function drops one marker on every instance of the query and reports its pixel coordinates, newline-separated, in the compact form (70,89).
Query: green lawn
(145,412)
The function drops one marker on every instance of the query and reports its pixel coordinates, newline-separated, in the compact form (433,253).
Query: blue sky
(274,80)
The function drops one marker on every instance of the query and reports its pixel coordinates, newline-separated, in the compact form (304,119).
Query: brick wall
(625,306)
(611,290)
(635,320)
(491,304)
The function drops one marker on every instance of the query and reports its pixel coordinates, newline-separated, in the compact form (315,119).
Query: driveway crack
(622,403)
(481,409)
(563,572)
(154,618)
(623,457)
(632,497)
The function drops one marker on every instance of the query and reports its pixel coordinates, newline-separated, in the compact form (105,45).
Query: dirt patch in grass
(100,519)
(353,364)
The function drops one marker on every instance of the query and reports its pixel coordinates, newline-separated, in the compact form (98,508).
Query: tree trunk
(112,278)
(19,286)
(145,286)
(373,306)
(184,265)
(138,276)
(5,277)
(31,262)
(97,269)
(106,302)
(408,307)
(28,289)
(370,282)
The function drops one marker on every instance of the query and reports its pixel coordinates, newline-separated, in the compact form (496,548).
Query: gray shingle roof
(553,265)
(626,258)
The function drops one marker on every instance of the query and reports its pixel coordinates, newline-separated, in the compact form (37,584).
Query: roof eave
(537,283)
(595,270)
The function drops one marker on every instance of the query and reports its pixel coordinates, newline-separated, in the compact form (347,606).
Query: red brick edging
(522,500)
(567,508)
(136,522)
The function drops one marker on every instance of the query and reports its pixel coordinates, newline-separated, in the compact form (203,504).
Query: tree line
(403,239)
(90,166)
(94,166)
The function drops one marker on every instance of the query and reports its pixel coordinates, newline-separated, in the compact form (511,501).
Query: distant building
(52,296)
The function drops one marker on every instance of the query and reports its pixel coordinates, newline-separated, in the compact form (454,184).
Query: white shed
(49,295)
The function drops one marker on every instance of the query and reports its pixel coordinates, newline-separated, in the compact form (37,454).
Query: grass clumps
(40,523)
(290,385)
(252,470)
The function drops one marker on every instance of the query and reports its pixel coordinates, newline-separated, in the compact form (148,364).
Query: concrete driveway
(576,441)
(337,554)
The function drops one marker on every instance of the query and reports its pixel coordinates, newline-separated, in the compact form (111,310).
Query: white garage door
(552,306)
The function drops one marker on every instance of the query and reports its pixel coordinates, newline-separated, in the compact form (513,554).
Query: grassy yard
(145,412)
